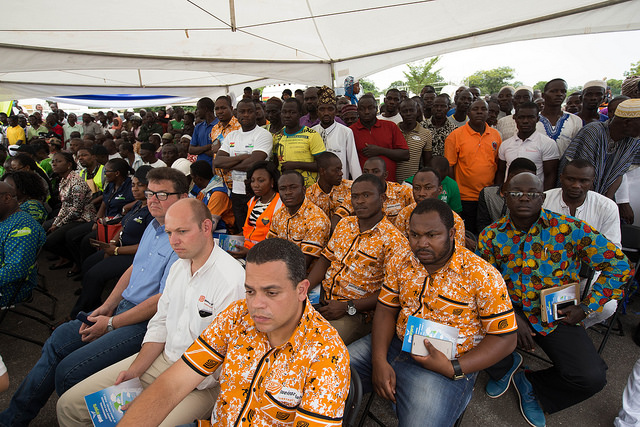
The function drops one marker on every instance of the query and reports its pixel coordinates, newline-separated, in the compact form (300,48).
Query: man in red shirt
(378,137)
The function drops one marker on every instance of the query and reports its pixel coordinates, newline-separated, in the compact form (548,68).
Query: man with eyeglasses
(536,249)
(76,350)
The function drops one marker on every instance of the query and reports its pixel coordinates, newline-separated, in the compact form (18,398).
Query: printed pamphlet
(429,329)
(105,405)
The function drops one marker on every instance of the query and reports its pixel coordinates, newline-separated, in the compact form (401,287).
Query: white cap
(523,87)
(595,83)
(183,165)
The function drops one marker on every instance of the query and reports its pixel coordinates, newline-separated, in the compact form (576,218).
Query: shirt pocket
(451,307)
(277,413)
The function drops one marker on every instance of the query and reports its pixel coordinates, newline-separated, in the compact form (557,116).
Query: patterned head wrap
(348,89)
(348,108)
(630,86)
(629,109)
(326,95)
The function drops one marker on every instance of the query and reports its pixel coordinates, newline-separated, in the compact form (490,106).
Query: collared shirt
(21,237)
(611,159)
(451,194)
(219,131)
(300,147)
(92,128)
(419,141)
(202,136)
(549,255)
(597,210)
(308,228)
(383,133)
(491,206)
(466,294)
(338,139)
(116,198)
(15,134)
(190,302)
(306,121)
(474,159)
(304,382)
(151,265)
(137,162)
(358,258)
(439,135)
(398,196)
(402,223)
(75,196)
(331,201)
(566,128)
(538,148)
(68,129)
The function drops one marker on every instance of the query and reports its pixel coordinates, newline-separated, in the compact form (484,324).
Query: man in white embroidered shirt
(201,284)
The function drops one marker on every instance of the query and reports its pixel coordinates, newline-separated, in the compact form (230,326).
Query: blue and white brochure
(429,329)
(105,406)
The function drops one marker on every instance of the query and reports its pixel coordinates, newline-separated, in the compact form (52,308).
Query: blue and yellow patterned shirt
(549,255)
(21,237)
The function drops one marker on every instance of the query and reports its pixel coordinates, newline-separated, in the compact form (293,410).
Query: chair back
(354,400)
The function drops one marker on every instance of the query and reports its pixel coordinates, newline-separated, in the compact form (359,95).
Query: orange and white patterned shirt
(467,294)
(218,134)
(358,258)
(308,228)
(304,382)
(329,202)
(402,222)
(398,197)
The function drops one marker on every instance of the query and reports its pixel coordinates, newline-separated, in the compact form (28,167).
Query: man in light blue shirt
(75,350)
(201,139)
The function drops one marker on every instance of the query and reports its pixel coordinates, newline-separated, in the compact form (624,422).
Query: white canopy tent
(194,48)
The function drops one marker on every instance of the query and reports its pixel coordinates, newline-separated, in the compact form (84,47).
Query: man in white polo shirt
(532,145)
(240,150)
(201,284)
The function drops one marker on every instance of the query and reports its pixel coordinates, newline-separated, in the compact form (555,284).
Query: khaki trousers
(351,328)
(72,410)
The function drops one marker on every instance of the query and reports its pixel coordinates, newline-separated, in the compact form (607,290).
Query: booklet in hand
(105,405)
(557,298)
(443,337)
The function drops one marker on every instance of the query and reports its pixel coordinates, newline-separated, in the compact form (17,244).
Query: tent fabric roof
(198,48)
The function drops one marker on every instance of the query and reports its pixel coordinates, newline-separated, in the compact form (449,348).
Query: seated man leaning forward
(201,284)
(351,268)
(282,363)
(536,249)
(76,351)
(447,284)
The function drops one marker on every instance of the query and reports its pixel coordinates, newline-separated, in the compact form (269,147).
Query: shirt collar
(297,339)
(473,132)
(454,264)
(209,263)
(543,219)
(359,124)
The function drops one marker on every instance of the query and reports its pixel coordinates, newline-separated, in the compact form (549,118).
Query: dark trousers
(470,215)
(56,241)
(96,272)
(578,371)
(77,241)
(240,208)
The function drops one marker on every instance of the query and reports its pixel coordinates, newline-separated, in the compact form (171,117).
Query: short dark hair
(294,100)
(276,249)
(435,205)
(553,81)
(287,92)
(579,164)
(207,103)
(179,180)
(296,173)
(527,105)
(271,169)
(368,96)
(369,177)
(432,170)
(522,164)
(323,159)
(148,146)
(99,150)
(445,96)
(250,101)
(127,146)
(29,184)
(379,160)
(202,169)
(142,173)
(225,98)
(393,89)
(120,165)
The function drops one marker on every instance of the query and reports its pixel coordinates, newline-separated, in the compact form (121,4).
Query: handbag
(107,230)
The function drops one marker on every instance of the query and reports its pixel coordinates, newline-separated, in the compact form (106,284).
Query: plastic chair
(354,400)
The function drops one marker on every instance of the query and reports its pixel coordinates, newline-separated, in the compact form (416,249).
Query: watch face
(351,310)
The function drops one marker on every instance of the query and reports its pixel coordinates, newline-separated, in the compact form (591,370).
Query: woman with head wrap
(351,89)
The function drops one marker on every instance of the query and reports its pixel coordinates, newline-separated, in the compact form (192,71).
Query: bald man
(21,237)
(549,249)
(201,284)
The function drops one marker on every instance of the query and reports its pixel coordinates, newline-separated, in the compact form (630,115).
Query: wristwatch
(586,309)
(115,251)
(457,370)
(110,325)
(351,308)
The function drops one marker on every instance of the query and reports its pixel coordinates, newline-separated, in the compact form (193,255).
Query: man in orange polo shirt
(472,151)
(397,196)
(282,363)
(446,284)
(299,221)
(331,190)
(351,268)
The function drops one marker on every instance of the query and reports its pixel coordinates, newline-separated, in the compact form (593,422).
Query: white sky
(577,59)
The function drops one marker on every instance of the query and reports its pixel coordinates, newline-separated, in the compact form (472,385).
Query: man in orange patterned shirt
(397,196)
(443,283)
(227,123)
(331,190)
(351,268)
(427,185)
(282,363)
(299,221)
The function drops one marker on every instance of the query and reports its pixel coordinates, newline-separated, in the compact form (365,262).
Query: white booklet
(105,405)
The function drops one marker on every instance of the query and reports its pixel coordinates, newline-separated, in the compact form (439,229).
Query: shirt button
(142,269)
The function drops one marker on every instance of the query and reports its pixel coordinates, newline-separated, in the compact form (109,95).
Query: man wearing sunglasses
(76,350)
(536,249)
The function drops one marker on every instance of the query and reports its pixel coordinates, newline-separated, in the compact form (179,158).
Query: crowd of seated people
(458,211)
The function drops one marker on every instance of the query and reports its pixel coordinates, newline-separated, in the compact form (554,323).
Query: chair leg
(367,412)
(21,337)
(614,320)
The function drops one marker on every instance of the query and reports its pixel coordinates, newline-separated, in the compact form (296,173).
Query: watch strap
(457,370)
(110,325)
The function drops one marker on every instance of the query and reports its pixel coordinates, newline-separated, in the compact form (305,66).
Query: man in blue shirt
(75,350)
(21,237)
(201,139)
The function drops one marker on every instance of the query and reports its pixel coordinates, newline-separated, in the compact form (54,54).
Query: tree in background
(421,74)
(490,81)
(539,85)
(634,71)
(367,86)
(398,84)
(615,85)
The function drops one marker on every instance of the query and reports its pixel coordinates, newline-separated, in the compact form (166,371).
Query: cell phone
(98,244)
(419,349)
(82,316)
(561,306)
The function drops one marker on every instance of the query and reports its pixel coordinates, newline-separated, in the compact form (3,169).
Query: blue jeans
(65,361)
(422,396)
